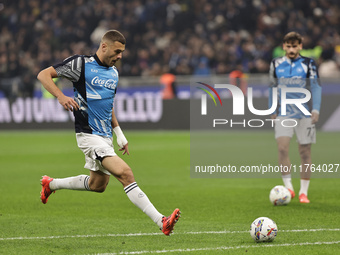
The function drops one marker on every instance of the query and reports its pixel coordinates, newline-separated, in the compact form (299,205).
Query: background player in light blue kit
(294,70)
(95,80)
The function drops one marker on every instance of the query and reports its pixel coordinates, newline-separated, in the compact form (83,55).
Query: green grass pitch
(216,213)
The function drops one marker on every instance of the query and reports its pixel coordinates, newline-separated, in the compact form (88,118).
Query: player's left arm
(121,139)
(316,91)
(273,83)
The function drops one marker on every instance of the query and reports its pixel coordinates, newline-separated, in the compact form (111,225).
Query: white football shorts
(95,148)
(304,129)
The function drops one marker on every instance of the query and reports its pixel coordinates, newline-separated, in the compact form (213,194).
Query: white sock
(287,181)
(138,197)
(80,182)
(304,184)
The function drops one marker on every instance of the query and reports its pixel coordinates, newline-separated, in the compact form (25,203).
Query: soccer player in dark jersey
(294,70)
(95,80)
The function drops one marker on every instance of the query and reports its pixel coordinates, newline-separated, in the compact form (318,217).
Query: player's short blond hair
(292,37)
(114,36)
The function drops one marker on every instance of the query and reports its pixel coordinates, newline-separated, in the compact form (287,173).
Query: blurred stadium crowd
(183,37)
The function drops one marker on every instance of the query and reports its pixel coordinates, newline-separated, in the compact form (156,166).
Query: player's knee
(305,153)
(99,188)
(283,150)
(127,176)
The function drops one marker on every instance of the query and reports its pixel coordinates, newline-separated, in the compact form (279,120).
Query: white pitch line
(78,236)
(239,232)
(154,234)
(221,248)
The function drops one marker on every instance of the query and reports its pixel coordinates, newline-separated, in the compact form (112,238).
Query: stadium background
(184,38)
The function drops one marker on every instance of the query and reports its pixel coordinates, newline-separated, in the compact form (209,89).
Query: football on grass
(263,229)
(279,195)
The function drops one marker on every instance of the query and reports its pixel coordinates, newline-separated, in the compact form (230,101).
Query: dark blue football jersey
(300,73)
(94,86)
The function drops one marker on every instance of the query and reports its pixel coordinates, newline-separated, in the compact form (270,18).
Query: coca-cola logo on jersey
(107,83)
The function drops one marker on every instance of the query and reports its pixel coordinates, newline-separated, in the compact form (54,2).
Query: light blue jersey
(94,90)
(298,73)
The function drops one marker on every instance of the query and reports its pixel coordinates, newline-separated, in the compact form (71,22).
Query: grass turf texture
(76,222)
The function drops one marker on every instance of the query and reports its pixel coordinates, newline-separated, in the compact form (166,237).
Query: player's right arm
(315,89)
(121,139)
(46,78)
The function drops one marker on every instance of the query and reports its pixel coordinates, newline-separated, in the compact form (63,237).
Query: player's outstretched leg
(45,190)
(170,221)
